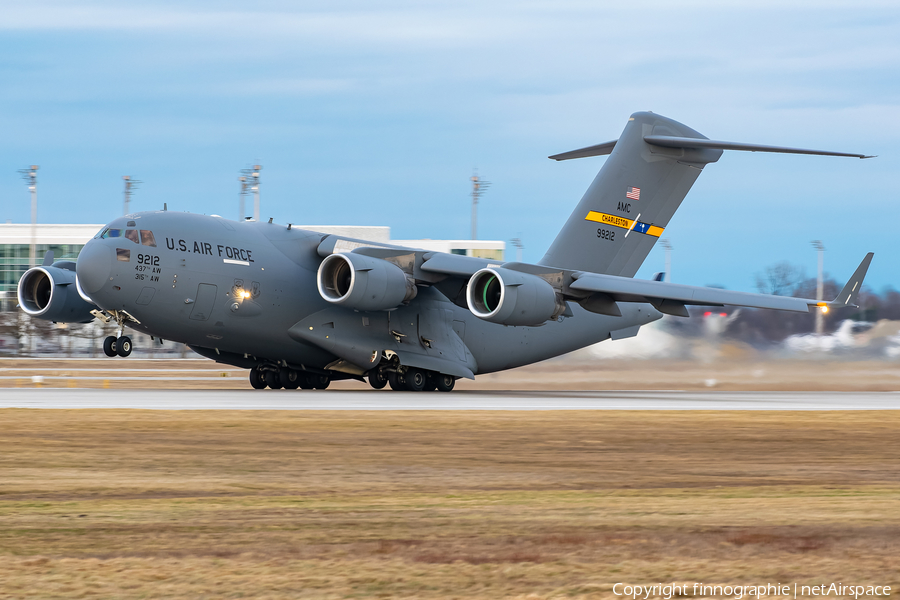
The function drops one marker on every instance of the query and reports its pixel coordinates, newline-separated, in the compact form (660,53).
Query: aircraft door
(203,303)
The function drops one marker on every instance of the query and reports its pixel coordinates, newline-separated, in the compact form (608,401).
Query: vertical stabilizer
(629,204)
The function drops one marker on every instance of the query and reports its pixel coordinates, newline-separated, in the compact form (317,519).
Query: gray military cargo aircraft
(300,308)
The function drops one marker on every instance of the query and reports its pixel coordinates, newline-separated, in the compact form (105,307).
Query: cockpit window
(123,255)
(111,233)
(147,238)
(132,234)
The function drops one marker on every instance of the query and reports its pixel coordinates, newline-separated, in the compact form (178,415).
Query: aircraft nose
(94,266)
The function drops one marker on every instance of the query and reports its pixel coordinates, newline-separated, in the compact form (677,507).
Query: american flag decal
(633,193)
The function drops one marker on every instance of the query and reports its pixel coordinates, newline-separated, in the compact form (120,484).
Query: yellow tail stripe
(617,221)
(606,219)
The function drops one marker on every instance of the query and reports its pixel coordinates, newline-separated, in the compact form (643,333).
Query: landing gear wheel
(445,383)
(289,378)
(430,382)
(397,382)
(273,380)
(256,380)
(109,346)
(377,379)
(306,381)
(415,380)
(320,382)
(123,346)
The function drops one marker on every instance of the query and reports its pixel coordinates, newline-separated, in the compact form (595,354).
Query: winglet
(848,295)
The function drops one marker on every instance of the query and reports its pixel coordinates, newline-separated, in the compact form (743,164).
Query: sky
(378,113)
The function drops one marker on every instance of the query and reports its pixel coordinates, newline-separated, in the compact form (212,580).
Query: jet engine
(50,293)
(363,283)
(511,298)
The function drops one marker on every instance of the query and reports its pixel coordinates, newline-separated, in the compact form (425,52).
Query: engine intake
(50,293)
(509,297)
(363,283)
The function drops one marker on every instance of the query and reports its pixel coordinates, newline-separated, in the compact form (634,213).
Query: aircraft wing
(595,291)
(426,265)
(455,265)
(671,298)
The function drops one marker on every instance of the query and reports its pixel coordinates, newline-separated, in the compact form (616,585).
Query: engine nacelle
(363,283)
(509,297)
(50,293)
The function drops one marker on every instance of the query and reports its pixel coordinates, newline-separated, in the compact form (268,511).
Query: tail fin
(649,171)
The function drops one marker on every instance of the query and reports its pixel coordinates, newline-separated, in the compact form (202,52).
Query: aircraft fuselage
(245,293)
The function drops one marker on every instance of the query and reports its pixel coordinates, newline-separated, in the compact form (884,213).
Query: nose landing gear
(116,345)
(113,346)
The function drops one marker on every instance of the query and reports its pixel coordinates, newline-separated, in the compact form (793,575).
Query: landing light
(244,294)
(824,309)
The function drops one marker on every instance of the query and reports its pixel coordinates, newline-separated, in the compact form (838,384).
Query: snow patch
(650,342)
(841,339)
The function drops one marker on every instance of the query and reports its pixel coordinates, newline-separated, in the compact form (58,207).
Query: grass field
(143,504)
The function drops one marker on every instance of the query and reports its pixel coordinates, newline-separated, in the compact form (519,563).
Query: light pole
(30,177)
(517,242)
(820,288)
(250,181)
(668,247)
(130,186)
(478,187)
(245,187)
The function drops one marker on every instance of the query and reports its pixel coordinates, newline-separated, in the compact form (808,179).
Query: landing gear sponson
(409,379)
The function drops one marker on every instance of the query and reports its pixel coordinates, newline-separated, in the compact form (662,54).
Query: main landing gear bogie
(413,380)
(409,380)
(117,346)
(288,379)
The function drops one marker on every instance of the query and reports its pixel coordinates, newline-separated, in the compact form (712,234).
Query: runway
(460,400)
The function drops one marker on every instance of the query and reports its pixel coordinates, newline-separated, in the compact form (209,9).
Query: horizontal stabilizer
(688,142)
(598,150)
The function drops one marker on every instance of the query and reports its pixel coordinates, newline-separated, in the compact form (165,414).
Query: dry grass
(144,504)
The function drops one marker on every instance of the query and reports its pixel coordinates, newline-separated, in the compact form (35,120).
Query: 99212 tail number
(606,234)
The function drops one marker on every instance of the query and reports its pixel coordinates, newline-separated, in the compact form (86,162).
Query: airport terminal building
(66,241)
